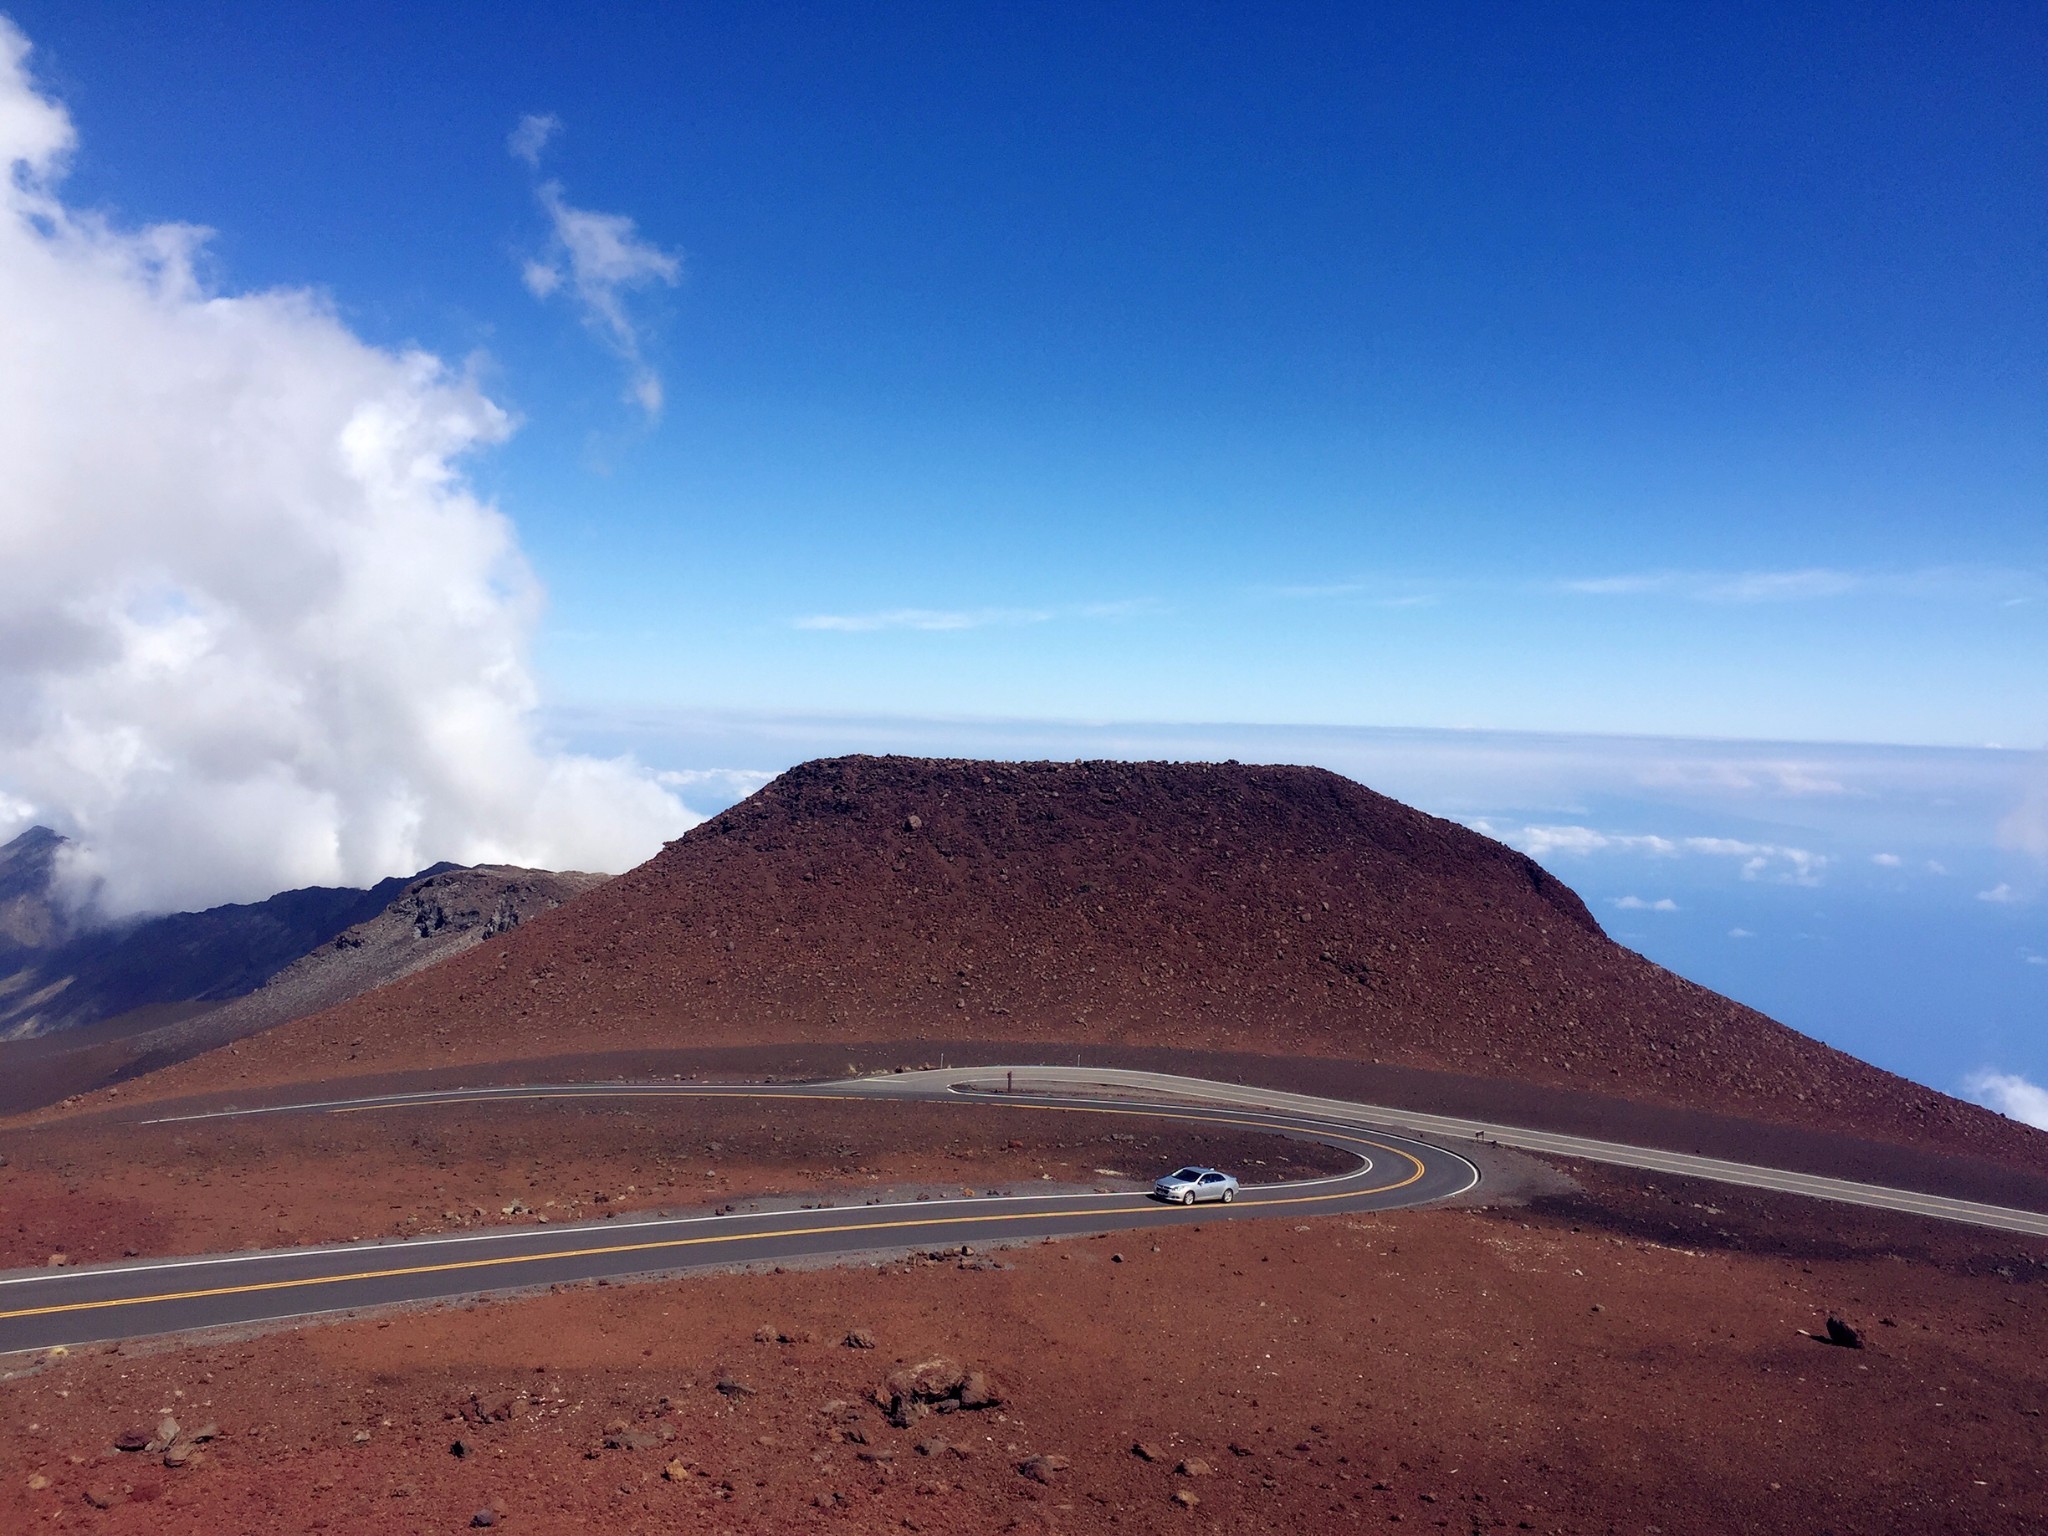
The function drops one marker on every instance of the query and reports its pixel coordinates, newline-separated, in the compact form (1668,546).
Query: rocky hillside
(1278,910)
(184,977)
(61,973)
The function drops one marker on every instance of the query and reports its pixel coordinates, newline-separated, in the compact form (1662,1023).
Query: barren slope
(1280,910)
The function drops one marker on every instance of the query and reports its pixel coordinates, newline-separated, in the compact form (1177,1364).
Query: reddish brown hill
(1280,910)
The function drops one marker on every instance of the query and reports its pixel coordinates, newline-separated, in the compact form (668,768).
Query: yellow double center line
(656,1245)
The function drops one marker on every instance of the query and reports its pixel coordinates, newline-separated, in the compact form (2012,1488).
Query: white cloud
(601,260)
(256,630)
(1787,865)
(2010,1095)
(923,618)
(1637,904)
(2001,893)
(2033,957)
(1541,842)
(1740,933)
(2002,585)
(1886,860)
(1745,777)
(531,136)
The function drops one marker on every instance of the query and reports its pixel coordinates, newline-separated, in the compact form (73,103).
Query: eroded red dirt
(1618,1360)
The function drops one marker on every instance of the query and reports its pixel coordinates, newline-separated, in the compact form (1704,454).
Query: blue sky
(1557,369)
(1298,364)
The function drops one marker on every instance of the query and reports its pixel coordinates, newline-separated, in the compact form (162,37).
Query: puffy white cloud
(2011,1095)
(2002,893)
(600,259)
(256,631)
(1886,860)
(1637,904)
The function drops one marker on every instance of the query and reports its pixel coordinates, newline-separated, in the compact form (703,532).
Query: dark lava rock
(1840,1333)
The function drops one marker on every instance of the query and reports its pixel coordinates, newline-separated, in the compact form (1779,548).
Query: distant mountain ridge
(58,974)
(82,1007)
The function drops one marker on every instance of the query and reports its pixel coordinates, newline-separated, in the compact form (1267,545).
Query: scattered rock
(1040,1468)
(460,1449)
(105,1496)
(935,1446)
(732,1386)
(1186,1498)
(1842,1335)
(1194,1466)
(132,1440)
(482,1408)
(1147,1450)
(621,1436)
(37,1482)
(912,823)
(483,1519)
(859,1338)
(934,1386)
(166,1436)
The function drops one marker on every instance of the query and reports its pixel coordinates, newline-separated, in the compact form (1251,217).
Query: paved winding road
(43,1308)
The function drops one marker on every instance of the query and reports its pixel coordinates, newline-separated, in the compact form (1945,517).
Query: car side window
(1212,1178)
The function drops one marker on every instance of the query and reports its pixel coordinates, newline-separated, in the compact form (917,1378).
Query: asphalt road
(43,1308)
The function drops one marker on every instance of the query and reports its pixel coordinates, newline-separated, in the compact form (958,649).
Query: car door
(1211,1187)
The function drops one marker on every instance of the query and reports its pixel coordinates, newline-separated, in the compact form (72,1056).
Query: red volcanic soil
(1620,1360)
(1283,911)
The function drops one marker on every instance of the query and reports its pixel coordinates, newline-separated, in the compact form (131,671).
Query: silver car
(1185,1186)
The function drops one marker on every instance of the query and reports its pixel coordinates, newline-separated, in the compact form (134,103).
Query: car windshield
(1186,1173)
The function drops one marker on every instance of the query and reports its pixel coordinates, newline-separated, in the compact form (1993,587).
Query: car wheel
(1229,1195)
(1187,1197)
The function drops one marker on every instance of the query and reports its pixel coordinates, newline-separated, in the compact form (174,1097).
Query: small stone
(131,1440)
(105,1496)
(460,1449)
(483,1519)
(1194,1466)
(675,1472)
(1186,1498)
(1841,1334)
(1147,1450)
(732,1386)
(362,1437)
(912,823)
(37,1482)
(1040,1468)
(859,1338)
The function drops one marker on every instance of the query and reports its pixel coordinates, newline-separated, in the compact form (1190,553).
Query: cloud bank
(256,631)
(599,259)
